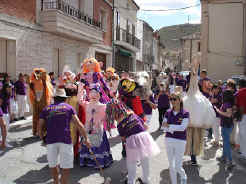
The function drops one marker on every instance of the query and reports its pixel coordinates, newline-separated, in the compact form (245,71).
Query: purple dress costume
(95,77)
(139,143)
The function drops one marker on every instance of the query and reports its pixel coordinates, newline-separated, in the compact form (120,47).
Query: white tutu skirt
(140,146)
(202,114)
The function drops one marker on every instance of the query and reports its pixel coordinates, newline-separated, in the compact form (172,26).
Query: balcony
(127,40)
(61,18)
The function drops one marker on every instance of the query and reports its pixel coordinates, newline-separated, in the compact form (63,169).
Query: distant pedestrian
(163,102)
(182,82)
(21,97)
(175,123)
(57,118)
(52,79)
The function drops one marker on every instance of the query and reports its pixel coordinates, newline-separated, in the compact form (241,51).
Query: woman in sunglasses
(175,123)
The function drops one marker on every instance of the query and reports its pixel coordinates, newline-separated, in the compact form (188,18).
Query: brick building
(53,33)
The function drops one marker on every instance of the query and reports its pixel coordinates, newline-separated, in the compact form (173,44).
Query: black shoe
(15,119)
(22,118)
(221,160)
(230,165)
(139,181)
(194,163)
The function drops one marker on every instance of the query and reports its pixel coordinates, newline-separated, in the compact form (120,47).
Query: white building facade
(126,44)
(64,33)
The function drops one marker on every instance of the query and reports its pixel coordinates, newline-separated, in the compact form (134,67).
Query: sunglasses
(173,99)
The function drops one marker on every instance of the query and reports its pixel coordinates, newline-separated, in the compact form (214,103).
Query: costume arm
(104,84)
(3,131)
(81,129)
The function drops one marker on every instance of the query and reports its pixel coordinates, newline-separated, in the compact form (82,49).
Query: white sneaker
(8,145)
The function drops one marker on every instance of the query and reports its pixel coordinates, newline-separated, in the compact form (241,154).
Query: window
(199,47)
(81,5)
(118,18)
(103,19)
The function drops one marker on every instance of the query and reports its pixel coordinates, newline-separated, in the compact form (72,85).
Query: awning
(124,52)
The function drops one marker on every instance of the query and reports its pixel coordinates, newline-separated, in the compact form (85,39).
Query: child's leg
(132,169)
(145,167)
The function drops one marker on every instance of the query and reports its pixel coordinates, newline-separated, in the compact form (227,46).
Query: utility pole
(113,24)
(191,50)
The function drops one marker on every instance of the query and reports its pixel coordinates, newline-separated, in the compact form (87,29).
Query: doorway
(8,57)
(100,57)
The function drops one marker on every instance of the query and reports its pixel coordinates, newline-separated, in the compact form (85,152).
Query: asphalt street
(26,163)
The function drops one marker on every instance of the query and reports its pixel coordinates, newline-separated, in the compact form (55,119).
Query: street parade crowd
(75,114)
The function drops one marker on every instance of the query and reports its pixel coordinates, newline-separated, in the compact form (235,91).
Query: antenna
(188,19)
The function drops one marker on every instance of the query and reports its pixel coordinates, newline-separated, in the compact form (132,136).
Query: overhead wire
(160,10)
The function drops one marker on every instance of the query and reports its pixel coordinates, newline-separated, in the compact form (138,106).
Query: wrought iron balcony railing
(69,10)
(123,35)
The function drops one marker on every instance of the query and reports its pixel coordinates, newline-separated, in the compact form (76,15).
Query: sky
(159,19)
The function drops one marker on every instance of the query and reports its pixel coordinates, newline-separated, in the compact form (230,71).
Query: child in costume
(95,117)
(202,116)
(140,146)
(126,90)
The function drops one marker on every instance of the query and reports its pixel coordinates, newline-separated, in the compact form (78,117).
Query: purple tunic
(183,83)
(146,106)
(131,125)
(53,82)
(177,119)
(163,102)
(1,112)
(20,88)
(225,121)
(5,104)
(57,118)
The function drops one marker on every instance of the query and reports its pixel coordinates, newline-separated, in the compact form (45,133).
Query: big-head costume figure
(41,92)
(91,74)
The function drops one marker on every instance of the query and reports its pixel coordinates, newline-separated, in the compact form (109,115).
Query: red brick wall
(23,9)
(98,4)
